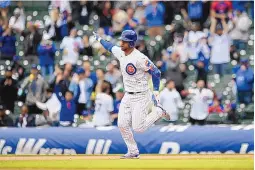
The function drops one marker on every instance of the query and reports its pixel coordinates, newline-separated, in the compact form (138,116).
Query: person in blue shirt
(195,11)
(46,51)
(68,105)
(7,44)
(86,87)
(154,14)
(244,82)
(119,95)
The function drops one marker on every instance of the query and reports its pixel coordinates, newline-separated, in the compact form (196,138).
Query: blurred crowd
(203,35)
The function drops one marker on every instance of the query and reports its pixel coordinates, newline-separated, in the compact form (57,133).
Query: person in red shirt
(215,106)
(220,9)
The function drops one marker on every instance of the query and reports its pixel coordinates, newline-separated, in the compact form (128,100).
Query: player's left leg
(141,120)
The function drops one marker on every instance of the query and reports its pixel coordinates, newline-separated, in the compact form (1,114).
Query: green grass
(210,163)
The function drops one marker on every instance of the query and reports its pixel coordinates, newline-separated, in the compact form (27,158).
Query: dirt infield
(112,157)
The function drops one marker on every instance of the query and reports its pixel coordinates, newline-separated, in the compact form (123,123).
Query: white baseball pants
(133,112)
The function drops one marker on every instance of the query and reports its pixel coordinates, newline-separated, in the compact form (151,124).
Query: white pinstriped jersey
(134,69)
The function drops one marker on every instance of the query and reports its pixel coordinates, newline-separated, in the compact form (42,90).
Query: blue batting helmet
(129,36)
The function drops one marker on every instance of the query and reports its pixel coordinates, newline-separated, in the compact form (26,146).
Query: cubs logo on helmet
(130,69)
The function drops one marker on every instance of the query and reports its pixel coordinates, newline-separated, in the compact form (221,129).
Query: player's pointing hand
(96,36)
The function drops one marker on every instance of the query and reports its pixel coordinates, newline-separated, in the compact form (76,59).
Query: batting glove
(155,98)
(96,36)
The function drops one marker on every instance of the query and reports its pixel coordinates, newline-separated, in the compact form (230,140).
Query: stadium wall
(172,139)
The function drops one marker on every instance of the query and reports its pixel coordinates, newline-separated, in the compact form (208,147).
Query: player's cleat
(165,115)
(130,156)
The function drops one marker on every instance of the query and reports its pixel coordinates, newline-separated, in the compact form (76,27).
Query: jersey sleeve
(116,51)
(148,66)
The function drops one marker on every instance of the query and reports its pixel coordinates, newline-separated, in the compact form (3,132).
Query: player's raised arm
(106,44)
(115,50)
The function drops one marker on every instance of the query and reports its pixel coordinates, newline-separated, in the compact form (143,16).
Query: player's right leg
(124,124)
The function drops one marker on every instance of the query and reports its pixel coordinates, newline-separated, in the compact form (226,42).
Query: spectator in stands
(105,13)
(132,22)
(17,69)
(199,108)
(52,24)
(5,120)
(202,70)
(232,115)
(87,50)
(119,94)
(89,73)
(66,24)
(221,9)
(220,42)
(46,51)
(100,79)
(113,75)
(7,44)
(25,120)
(32,40)
(194,11)
(119,20)
(216,107)
(86,87)
(195,41)
(4,8)
(244,82)
(71,46)
(8,90)
(36,87)
(176,72)
(154,14)
(139,13)
(68,104)
(51,108)
(17,21)
(141,46)
(104,106)
(85,9)
(240,31)
(171,100)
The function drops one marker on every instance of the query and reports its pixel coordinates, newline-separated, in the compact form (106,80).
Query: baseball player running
(136,70)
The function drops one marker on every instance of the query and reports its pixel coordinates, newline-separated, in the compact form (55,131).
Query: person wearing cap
(244,82)
(46,53)
(220,43)
(171,100)
(17,21)
(17,69)
(119,94)
(70,46)
(8,90)
(86,87)
(36,87)
(5,120)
